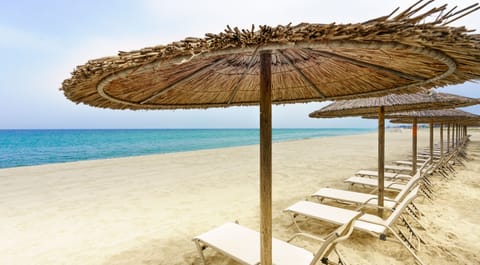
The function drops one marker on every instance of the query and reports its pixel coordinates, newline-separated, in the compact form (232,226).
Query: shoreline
(181,151)
(146,210)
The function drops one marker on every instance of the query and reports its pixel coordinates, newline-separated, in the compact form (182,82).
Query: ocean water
(36,147)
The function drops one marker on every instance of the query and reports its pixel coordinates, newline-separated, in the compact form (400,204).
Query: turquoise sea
(36,147)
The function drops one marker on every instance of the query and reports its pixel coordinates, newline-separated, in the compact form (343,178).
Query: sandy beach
(146,209)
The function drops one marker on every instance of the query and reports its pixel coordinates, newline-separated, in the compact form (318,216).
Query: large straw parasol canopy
(310,62)
(392,103)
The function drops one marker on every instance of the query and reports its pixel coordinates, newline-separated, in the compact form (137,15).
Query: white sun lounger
(361,198)
(373,173)
(387,175)
(371,224)
(407,163)
(397,169)
(243,245)
(389,185)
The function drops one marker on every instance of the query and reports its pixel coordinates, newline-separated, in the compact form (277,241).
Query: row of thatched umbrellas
(403,52)
(459,120)
(412,108)
(394,106)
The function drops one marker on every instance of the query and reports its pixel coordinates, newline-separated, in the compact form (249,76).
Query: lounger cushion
(338,216)
(371,223)
(323,212)
(389,185)
(372,173)
(243,245)
(351,196)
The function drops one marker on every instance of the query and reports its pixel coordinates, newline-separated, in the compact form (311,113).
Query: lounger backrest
(410,184)
(424,167)
(402,205)
(340,234)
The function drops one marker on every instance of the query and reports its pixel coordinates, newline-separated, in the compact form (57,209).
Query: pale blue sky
(42,41)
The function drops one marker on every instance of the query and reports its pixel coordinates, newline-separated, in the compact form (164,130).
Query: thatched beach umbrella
(434,116)
(379,106)
(284,64)
(454,123)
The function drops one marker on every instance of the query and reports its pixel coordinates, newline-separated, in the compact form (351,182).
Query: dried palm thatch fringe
(469,123)
(311,62)
(393,103)
(425,116)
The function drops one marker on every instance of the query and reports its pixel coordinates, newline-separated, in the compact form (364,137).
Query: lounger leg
(406,246)
(426,195)
(200,251)
(412,231)
(341,259)
(416,209)
(294,221)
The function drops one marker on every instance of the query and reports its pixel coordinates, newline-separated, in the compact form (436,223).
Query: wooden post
(457,134)
(461,133)
(266,157)
(453,136)
(441,141)
(414,146)
(448,138)
(431,141)
(381,158)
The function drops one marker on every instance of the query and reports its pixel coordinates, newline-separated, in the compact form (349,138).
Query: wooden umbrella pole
(453,136)
(431,141)
(448,138)
(456,135)
(266,157)
(414,146)
(381,158)
(459,134)
(441,141)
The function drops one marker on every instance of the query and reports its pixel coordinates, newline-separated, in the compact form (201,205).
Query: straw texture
(425,116)
(397,53)
(393,103)
(469,123)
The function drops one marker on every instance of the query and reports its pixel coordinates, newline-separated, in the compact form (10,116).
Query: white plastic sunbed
(389,185)
(361,198)
(407,163)
(371,224)
(397,169)
(387,175)
(243,245)
(373,173)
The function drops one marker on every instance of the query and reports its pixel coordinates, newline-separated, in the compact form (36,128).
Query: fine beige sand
(145,210)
